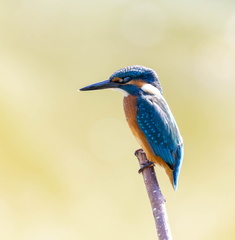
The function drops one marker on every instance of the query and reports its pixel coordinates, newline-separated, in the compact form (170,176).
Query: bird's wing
(159,127)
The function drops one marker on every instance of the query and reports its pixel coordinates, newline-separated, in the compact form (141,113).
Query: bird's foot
(147,165)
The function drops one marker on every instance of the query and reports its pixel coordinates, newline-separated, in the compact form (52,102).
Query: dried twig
(156,198)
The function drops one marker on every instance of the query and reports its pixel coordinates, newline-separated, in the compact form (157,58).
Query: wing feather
(159,127)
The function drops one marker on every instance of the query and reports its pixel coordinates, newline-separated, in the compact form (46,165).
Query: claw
(147,165)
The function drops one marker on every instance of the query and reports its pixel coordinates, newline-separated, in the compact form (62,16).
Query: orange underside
(130,112)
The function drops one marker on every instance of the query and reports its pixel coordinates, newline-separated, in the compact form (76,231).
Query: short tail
(177,167)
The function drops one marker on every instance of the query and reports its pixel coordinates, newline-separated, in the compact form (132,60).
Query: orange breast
(130,108)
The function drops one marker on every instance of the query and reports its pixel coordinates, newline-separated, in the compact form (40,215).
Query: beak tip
(82,89)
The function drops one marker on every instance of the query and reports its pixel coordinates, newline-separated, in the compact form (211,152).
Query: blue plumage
(148,116)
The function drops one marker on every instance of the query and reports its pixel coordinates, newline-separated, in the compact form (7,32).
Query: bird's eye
(126,79)
(121,80)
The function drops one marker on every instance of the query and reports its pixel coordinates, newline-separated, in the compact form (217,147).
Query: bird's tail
(177,167)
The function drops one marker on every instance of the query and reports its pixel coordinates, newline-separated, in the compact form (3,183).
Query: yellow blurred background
(67,169)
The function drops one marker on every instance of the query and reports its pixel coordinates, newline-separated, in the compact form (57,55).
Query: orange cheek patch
(139,83)
(116,79)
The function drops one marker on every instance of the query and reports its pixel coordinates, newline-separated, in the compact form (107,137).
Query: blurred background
(67,169)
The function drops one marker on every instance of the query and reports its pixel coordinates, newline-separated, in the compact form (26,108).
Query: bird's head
(133,80)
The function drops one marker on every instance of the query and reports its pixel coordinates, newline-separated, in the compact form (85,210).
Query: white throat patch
(121,90)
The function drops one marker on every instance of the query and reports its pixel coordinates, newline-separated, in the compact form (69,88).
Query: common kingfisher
(149,116)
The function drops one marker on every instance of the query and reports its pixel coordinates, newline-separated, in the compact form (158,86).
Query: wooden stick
(156,198)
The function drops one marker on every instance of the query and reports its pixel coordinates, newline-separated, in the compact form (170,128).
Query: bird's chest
(130,108)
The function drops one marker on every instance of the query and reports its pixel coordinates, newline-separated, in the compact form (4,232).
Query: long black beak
(100,85)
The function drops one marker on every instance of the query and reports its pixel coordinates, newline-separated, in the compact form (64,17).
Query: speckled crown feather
(139,72)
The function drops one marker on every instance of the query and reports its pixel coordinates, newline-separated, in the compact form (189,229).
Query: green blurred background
(67,169)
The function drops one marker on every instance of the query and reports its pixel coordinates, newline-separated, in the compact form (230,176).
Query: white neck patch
(150,89)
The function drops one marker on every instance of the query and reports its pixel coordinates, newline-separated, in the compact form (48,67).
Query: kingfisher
(149,116)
